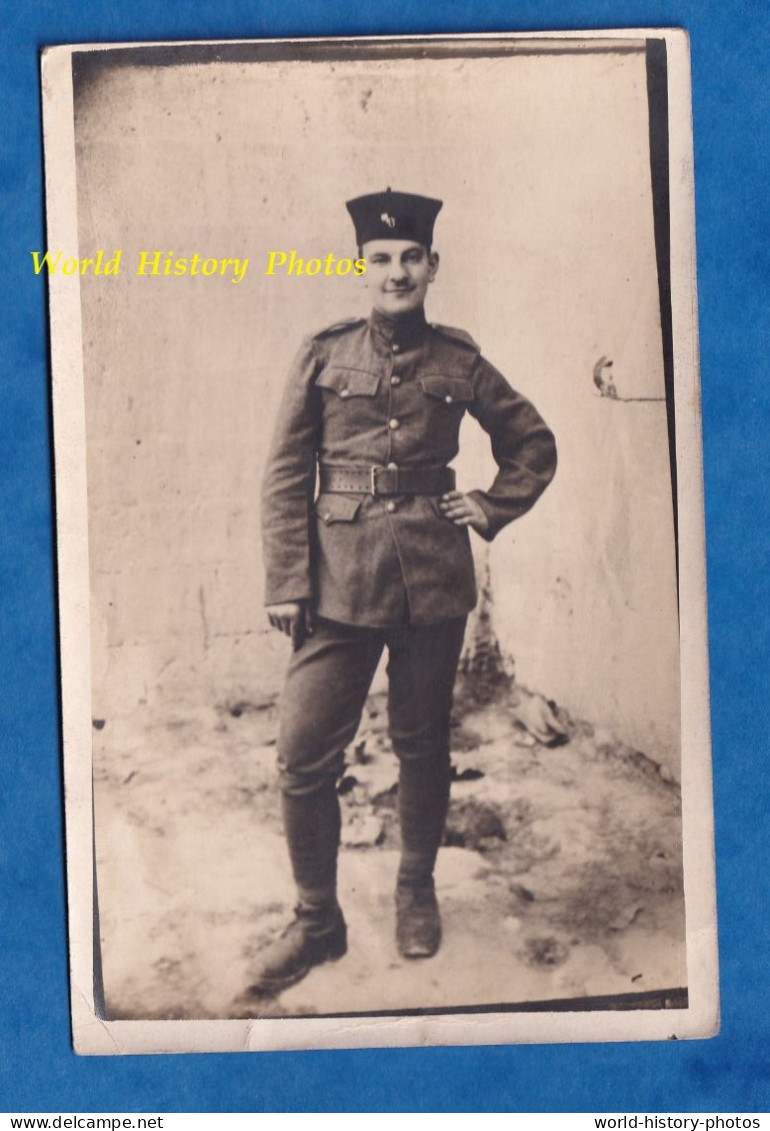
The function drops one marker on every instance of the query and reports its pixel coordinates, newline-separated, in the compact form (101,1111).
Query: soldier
(380,558)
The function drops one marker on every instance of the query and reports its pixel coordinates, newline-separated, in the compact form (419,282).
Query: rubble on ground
(560,875)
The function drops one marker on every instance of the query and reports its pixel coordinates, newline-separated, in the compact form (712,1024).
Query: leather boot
(418,922)
(309,940)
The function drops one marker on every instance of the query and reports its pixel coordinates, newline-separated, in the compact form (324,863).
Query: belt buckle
(373,488)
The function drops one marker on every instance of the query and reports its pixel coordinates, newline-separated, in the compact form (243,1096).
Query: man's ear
(433,262)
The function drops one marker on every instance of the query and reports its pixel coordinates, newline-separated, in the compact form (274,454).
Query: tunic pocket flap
(348,382)
(449,389)
(337,508)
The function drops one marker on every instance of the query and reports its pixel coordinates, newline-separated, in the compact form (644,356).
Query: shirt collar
(402,332)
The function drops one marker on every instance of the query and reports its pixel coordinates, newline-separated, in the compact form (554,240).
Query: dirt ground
(560,877)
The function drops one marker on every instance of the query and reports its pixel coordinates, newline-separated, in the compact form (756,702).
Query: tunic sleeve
(522,444)
(289,484)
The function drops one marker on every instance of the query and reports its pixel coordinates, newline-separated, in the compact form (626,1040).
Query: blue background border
(38,1071)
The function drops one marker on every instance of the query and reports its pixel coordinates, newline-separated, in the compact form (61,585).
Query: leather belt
(386,480)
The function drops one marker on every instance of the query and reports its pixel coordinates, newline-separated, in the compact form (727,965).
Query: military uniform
(390,394)
(352,525)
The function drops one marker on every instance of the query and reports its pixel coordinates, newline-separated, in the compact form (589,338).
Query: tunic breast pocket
(451,391)
(348,383)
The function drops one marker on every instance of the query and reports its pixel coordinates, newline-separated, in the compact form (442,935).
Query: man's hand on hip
(294,619)
(463,510)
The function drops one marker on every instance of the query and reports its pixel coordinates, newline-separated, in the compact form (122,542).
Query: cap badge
(388,219)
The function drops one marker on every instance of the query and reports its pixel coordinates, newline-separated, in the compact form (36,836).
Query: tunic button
(392,467)
(448,398)
(344,392)
(390,507)
(395,380)
(393,425)
(396,347)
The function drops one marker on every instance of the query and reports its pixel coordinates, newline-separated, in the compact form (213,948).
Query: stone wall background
(548,261)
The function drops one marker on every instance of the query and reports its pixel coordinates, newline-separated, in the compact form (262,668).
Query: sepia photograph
(379,523)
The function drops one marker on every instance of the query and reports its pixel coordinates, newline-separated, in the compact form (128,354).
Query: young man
(381,558)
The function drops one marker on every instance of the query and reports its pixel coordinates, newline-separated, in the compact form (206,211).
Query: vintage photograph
(379,517)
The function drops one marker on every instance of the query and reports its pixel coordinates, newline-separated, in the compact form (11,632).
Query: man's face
(398,273)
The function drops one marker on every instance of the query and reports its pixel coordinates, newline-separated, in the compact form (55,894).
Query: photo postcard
(380,541)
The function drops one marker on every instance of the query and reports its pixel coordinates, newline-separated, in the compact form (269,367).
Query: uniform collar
(401,332)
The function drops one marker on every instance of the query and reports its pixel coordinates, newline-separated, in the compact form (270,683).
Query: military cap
(394,216)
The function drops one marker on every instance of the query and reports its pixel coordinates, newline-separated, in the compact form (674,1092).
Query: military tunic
(381,392)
